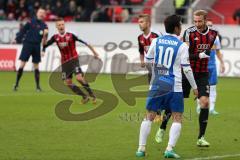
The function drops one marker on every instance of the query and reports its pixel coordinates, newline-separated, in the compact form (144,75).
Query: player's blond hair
(201,12)
(145,16)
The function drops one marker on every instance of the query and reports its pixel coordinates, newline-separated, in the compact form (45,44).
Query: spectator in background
(22,10)
(77,16)
(2,15)
(236,16)
(49,15)
(88,7)
(11,17)
(59,10)
(181,8)
(72,8)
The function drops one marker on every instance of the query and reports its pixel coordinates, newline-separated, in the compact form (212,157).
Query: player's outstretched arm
(48,43)
(96,55)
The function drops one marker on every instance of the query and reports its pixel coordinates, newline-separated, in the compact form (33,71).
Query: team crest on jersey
(41,32)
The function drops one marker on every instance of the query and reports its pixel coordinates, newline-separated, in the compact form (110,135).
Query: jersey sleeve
(149,57)
(49,42)
(140,47)
(184,55)
(186,36)
(75,38)
(217,43)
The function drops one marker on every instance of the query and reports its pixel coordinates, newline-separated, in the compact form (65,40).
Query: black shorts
(30,49)
(202,84)
(71,67)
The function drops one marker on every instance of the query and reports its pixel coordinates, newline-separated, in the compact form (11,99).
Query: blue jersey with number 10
(168,54)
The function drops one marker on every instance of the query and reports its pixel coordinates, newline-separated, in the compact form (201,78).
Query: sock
(144,132)
(88,89)
(166,118)
(174,134)
(37,77)
(78,91)
(212,97)
(203,119)
(149,77)
(19,75)
(198,105)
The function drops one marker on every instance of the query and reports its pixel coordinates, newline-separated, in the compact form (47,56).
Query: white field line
(216,157)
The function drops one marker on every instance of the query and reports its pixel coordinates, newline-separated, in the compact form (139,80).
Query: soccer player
(66,43)
(144,41)
(215,51)
(200,38)
(31,35)
(169,55)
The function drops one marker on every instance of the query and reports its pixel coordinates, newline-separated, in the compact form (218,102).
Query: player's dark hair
(171,22)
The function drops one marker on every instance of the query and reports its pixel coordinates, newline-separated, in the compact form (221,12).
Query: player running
(200,38)
(31,35)
(169,55)
(212,67)
(69,59)
(144,41)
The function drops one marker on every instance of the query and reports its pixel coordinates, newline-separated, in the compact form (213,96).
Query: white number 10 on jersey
(166,58)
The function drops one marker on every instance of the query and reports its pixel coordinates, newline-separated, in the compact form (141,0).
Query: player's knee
(177,117)
(204,102)
(151,116)
(79,78)
(68,82)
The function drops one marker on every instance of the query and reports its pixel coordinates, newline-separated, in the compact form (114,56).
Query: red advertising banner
(7,59)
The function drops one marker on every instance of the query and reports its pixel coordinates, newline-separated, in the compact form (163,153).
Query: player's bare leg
(77,90)
(86,86)
(37,76)
(19,74)
(174,134)
(203,120)
(144,132)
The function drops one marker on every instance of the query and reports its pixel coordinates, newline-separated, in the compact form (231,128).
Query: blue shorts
(31,49)
(212,75)
(171,100)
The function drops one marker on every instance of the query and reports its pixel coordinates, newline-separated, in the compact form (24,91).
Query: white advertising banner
(114,59)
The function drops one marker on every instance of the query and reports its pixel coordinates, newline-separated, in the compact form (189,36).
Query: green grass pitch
(30,130)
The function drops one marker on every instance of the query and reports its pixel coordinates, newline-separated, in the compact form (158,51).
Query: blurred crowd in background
(70,10)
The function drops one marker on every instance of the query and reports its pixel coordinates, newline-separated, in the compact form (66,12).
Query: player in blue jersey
(31,35)
(168,55)
(212,67)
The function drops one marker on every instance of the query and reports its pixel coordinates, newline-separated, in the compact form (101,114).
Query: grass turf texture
(30,130)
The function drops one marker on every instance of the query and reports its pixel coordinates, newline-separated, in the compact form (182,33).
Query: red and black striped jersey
(66,44)
(145,41)
(199,42)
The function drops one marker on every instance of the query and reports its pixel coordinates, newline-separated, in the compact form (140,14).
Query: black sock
(19,75)
(203,119)
(88,89)
(78,91)
(166,118)
(37,77)
(149,77)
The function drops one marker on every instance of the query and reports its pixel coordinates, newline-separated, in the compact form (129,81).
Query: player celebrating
(200,38)
(31,35)
(144,41)
(168,54)
(69,59)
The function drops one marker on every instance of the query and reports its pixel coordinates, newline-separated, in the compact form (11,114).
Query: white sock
(174,134)
(198,104)
(212,97)
(144,132)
